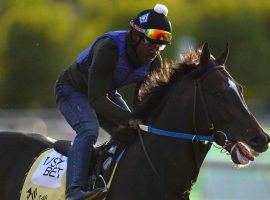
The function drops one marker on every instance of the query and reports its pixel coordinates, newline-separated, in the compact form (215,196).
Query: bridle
(211,128)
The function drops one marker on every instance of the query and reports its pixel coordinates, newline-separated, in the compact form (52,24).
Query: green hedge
(35,47)
(38,39)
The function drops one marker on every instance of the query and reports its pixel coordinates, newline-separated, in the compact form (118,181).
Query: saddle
(104,158)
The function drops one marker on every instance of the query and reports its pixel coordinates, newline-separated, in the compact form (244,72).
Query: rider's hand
(134,123)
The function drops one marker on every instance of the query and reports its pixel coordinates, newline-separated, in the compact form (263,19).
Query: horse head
(235,128)
(201,97)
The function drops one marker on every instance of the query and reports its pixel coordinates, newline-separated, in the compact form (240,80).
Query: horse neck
(175,112)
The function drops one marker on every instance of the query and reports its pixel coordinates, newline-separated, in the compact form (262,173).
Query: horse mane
(161,76)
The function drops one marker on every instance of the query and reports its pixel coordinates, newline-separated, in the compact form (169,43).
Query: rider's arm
(104,61)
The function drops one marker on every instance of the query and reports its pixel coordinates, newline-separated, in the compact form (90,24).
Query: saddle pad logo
(50,170)
(144,18)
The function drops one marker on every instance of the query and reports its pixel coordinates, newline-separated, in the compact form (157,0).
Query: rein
(179,135)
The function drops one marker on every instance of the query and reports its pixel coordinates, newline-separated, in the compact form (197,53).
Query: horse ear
(205,55)
(221,60)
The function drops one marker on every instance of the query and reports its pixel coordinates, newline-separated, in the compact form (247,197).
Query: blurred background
(39,38)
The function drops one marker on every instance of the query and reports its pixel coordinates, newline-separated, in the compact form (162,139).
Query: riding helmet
(153,19)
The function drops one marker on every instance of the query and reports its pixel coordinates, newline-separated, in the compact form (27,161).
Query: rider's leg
(82,118)
(80,154)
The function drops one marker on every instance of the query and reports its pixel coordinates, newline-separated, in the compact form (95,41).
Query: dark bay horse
(197,96)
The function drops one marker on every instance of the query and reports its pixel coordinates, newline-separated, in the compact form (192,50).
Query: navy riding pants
(77,111)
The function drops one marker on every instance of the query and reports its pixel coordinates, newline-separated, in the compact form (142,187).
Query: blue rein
(179,135)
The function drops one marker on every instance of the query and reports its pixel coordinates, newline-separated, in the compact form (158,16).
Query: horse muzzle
(242,153)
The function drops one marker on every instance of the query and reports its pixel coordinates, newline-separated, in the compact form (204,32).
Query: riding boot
(79,157)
